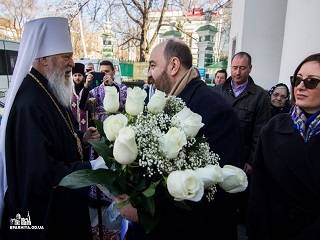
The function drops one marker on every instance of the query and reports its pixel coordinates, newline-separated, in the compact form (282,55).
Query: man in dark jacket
(171,68)
(251,104)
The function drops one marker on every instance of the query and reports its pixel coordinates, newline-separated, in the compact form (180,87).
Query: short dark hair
(107,63)
(312,58)
(180,50)
(222,71)
(242,54)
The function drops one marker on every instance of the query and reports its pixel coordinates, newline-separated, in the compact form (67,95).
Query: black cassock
(40,151)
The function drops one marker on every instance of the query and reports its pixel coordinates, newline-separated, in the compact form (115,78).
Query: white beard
(60,87)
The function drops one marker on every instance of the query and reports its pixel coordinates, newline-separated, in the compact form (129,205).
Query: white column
(258,28)
(301,37)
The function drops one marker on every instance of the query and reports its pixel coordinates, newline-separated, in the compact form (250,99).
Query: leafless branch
(159,23)
(129,15)
(138,6)
(79,10)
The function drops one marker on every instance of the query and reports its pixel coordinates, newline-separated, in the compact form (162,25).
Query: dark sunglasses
(310,83)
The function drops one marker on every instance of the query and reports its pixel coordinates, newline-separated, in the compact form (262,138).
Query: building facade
(198,29)
(278,34)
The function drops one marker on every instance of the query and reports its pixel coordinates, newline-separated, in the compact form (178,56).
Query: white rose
(157,102)
(234,179)
(185,185)
(135,100)
(113,124)
(189,121)
(125,149)
(172,142)
(111,99)
(210,175)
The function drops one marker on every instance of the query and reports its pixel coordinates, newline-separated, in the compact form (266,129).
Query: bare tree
(138,12)
(17,12)
(72,9)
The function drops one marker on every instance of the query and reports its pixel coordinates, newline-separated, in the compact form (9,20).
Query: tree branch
(150,4)
(80,8)
(138,5)
(129,15)
(128,40)
(159,23)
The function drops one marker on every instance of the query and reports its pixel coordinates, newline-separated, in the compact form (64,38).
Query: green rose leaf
(151,190)
(104,150)
(88,177)
(149,205)
(99,126)
(148,217)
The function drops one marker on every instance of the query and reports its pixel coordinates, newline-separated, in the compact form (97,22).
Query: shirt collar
(237,90)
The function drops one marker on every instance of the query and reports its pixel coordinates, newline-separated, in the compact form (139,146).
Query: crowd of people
(49,119)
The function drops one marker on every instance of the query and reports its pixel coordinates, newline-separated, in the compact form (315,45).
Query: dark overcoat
(252,107)
(285,193)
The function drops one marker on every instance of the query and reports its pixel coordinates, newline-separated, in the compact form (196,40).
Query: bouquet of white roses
(155,146)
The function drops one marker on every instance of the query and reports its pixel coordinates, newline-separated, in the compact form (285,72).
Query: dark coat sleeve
(257,199)
(222,128)
(263,115)
(222,131)
(311,232)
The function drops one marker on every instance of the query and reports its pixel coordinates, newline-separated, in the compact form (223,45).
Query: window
(207,38)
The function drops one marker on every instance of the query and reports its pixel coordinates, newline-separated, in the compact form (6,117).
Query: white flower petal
(234,179)
(111,100)
(125,149)
(185,185)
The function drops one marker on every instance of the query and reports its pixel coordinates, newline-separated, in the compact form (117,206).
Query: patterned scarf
(182,83)
(307,127)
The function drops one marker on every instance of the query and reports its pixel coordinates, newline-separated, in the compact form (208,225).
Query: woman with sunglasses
(279,95)
(285,196)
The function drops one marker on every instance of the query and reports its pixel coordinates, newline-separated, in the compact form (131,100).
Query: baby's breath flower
(149,128)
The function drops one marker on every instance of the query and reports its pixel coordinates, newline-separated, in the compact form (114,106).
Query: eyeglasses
(310,82)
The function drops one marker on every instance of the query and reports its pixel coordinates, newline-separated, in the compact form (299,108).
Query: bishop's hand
(91,134)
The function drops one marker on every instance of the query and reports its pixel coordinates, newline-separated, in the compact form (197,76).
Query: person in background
(39,143)
(150,88)
(252,105)
(89,68)
(80,115)
(220,77)
(98,92)
(285,194)
(280,96)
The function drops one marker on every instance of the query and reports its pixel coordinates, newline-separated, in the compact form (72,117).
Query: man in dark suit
(171,68)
